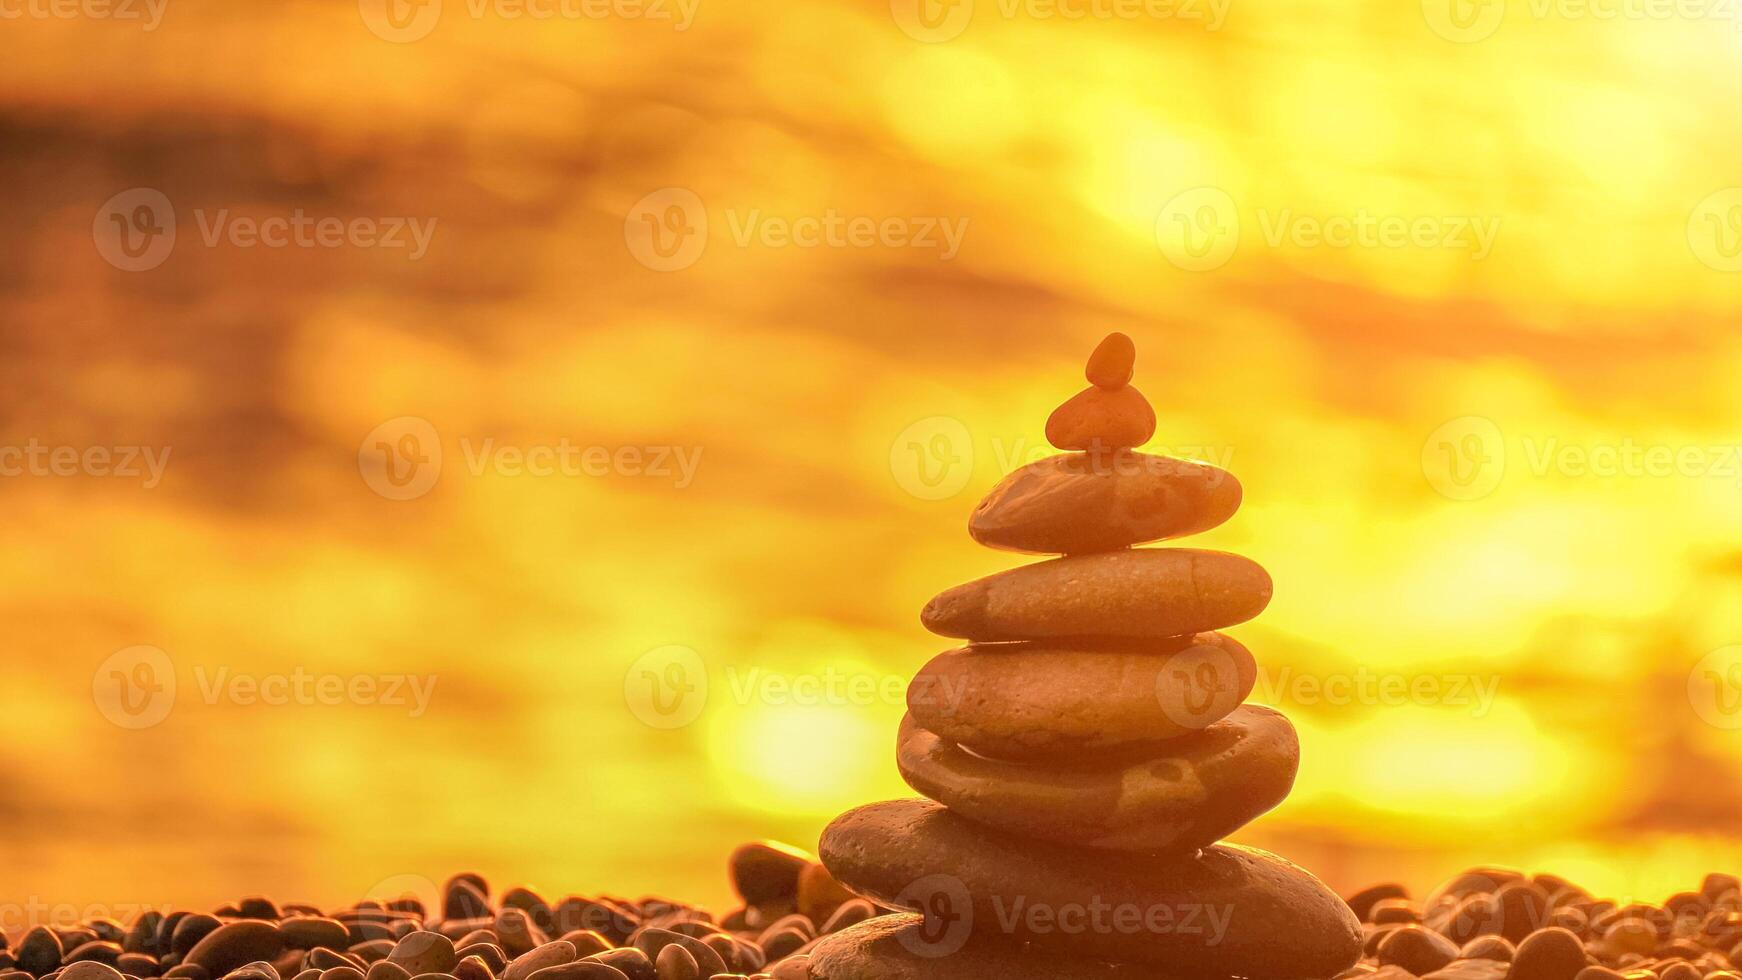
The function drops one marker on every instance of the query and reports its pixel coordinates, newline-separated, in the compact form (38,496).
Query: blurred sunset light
(532,448)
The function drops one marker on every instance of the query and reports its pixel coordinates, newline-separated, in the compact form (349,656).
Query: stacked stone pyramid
(1085,752)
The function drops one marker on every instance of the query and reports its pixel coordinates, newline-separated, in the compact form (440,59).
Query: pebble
(848,915)
(1470,970)
(1184,794)
(386,970)
(1363,901)
(1524,908)
(766,871)
(1086,502)
(1101,420)
(819,894)
(142,935)
(1488,948)
(1418,950)
(90,970)
(1150,592)
(1111,363)
(676,963)
(652,940)
(233,944)
(1395,911)
(580,970)
(314,932)
(39,951)
(516,932)
(1280,921)
(1549,954)
(424,952)
(1631,935)
(190,930)
(138,964)
(1036,701)
(464,897)
(627,960)
(99,950)
(490,953)
(586,942)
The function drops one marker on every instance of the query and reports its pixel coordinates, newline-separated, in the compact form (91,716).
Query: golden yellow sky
(1454,290)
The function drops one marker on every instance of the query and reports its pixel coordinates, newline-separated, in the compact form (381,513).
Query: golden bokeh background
(1550,234)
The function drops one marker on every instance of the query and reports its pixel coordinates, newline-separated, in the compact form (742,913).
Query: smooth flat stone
(1076,503)
(1028,701)
(1145,592)
(1226,910)
(900,947)
(1100,418)
(1189,793)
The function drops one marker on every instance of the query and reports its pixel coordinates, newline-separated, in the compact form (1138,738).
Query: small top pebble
(1110,366)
